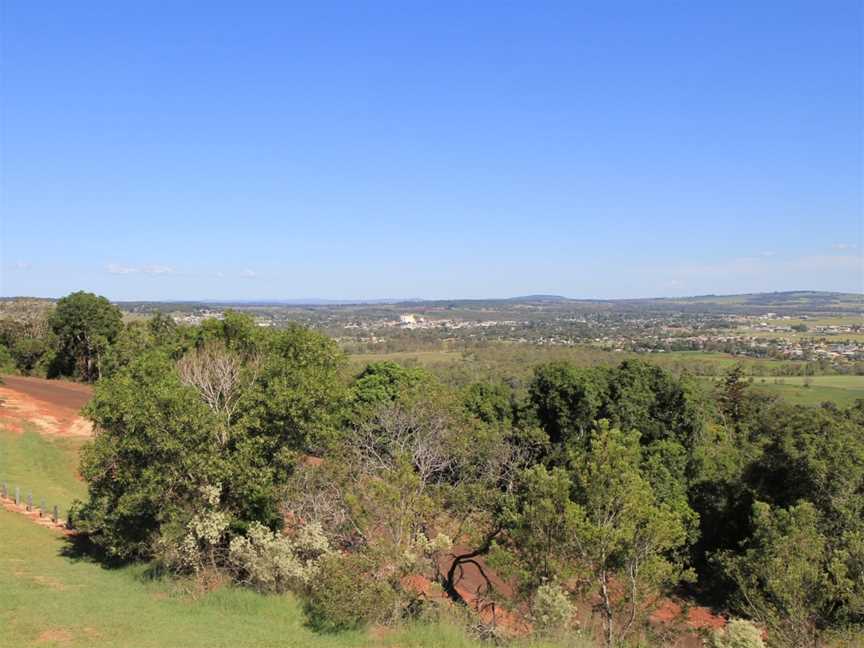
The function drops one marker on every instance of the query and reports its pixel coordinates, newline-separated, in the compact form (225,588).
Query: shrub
(552,610)
(273,563)
(739,633)
(7,362)
(199,544)
(348,594)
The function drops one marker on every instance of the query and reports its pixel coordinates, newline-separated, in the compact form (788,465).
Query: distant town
(797,329)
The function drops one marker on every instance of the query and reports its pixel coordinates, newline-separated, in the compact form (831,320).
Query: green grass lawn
(79,603)
(46,466)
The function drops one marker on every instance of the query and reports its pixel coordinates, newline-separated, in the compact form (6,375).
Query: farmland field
(843,390)
(812,390)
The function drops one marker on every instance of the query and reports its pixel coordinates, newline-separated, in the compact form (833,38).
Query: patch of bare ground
(52,406)
(54,635)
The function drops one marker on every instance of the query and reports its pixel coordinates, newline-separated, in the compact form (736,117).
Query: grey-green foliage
(271,562)
(552,610)
(738,633)
(198,544)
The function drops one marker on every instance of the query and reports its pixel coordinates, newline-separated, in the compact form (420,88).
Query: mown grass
(50,599)
(46,466)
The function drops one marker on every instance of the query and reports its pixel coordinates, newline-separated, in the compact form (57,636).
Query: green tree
(734,398)
(785,576)
(133,340)
(542,523)
(7,362)
(154,452)
(297,395)
(567,400)
(86,326)
(162,327)
(30,353)
(601,521)
(386,382)
(808,480)
(491,402)
(625,535)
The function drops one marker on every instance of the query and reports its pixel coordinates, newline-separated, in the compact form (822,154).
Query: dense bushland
(254,453)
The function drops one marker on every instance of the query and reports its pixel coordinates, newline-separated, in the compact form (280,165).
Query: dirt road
(52,405)
(55,392)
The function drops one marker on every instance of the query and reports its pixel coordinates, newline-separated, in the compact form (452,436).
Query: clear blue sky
(162,150)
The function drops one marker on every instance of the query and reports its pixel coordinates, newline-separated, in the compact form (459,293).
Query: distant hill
(794,300)
(789,300)
(539,298)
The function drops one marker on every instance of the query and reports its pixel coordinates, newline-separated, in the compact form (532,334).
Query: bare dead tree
(417,433)
(219,376)
(315,494)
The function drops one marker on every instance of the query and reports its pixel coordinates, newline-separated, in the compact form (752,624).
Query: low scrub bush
(552,609)
(739,633)
(347,594)
(269,562)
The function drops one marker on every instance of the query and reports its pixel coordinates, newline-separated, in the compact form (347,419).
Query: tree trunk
(449,580)
(607,609)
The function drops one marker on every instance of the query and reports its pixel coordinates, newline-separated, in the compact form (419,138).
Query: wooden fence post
(56,515)
(42,508)
(17,495)
(5,490)
(30,502)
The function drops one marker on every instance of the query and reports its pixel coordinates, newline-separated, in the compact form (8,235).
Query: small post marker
(5,490)
(17,495)
(30,502)
(56,514)
(42,508)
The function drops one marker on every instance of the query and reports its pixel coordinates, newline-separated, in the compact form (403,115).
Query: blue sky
(156,150)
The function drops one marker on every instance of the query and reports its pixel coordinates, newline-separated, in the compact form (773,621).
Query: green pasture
(811,390)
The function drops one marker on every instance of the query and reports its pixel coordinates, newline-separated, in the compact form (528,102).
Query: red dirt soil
(55,392)
(696,617)
(479,586)
(52,405)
